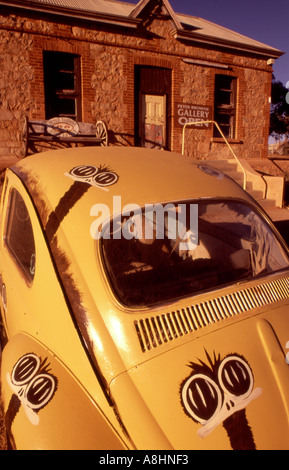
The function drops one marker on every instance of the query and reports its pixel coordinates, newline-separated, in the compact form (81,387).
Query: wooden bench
(63,129)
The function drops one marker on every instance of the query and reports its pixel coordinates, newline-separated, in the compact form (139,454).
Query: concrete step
(230,168)
(268,190)
(235,175)
(224,165)
(267,203)
(258,195)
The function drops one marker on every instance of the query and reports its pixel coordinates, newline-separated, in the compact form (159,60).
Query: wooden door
(153,107)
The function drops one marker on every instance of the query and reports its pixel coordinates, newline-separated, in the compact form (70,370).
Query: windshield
(162,253)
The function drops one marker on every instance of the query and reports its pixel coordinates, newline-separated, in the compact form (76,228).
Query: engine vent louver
(160,329)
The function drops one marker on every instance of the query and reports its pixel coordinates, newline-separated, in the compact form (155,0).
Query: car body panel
(166,181)
(32,308)
(126,367)
(262,420)
(167,176)
(47,196)
(69,418)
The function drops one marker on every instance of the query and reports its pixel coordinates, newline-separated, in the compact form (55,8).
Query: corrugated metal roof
(201,29)
(207,28)
(96,6)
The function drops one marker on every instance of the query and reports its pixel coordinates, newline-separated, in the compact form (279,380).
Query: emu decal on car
(33,387)
(219,393)
(101,177)
(84,176)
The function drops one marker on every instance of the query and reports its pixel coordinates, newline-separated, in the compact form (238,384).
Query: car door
(32,299)
(18,259)
(45,370)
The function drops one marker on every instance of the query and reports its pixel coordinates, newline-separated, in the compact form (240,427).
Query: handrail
(230,148)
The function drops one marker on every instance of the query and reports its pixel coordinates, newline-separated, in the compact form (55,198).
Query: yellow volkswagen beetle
(144,305)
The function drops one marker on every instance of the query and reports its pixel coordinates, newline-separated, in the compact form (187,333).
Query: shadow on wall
(119,139)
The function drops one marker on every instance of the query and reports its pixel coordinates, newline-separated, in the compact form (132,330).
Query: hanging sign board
(185,113)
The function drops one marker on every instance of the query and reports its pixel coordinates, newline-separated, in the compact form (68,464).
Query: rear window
(162,253)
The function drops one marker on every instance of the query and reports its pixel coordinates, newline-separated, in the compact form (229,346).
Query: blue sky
(265,21)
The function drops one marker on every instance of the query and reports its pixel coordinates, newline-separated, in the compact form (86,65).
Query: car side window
(19,236)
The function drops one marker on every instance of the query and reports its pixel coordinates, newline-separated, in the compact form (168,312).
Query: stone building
(144,69)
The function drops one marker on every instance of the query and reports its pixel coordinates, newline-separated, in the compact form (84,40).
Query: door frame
(150,80)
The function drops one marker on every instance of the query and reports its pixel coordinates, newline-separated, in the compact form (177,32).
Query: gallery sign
(185,113)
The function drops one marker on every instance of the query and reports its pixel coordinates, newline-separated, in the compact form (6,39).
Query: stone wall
(15,89)
(108,63)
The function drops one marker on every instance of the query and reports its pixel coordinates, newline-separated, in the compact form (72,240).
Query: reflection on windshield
(171,258)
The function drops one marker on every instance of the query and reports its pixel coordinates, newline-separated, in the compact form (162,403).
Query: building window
(62,82)
(225,105)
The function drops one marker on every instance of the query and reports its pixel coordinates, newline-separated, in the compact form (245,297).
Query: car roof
(143,176)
